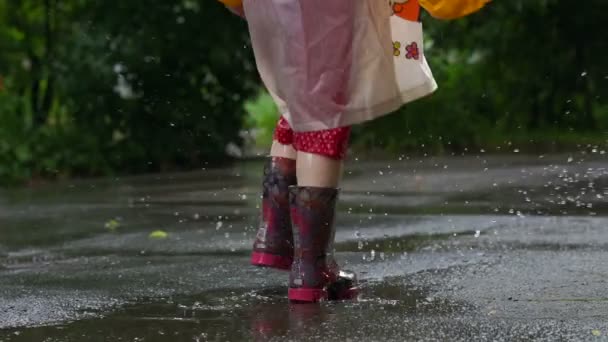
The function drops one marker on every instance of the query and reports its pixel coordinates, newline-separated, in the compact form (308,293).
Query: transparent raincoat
(334,63)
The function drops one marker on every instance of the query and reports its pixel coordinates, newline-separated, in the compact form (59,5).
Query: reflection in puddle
(236,315)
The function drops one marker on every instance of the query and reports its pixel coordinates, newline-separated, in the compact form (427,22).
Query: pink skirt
(327,63)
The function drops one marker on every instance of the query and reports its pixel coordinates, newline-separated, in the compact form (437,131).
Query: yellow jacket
(441,9)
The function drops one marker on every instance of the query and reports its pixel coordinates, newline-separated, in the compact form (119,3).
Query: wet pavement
(469,248)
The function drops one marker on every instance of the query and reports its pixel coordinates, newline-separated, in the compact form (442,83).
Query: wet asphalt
(469,248)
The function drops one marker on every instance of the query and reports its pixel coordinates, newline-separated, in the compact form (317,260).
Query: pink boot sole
(271,260)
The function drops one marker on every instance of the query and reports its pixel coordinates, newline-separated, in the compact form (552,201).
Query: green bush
(261,119)
(95,88)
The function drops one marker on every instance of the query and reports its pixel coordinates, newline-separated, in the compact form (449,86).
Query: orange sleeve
(452,9)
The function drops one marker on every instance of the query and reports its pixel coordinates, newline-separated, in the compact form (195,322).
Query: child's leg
(315,274)
(282,143)
(320,155)
(273,246)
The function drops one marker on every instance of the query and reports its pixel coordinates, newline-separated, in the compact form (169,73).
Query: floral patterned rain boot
(315,275)
(273,246)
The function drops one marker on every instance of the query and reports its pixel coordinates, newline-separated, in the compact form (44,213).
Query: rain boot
(315,275)
(273,246)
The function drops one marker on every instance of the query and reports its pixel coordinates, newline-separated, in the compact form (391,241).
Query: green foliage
(98,87)
(262,117)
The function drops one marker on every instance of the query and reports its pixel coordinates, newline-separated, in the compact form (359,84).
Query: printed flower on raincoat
(396,49)
(412,51)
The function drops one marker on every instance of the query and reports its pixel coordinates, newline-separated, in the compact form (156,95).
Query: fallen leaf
(112,224)
(158,234)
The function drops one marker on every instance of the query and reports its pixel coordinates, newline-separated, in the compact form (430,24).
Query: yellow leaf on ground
(112,224)
(158,234)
